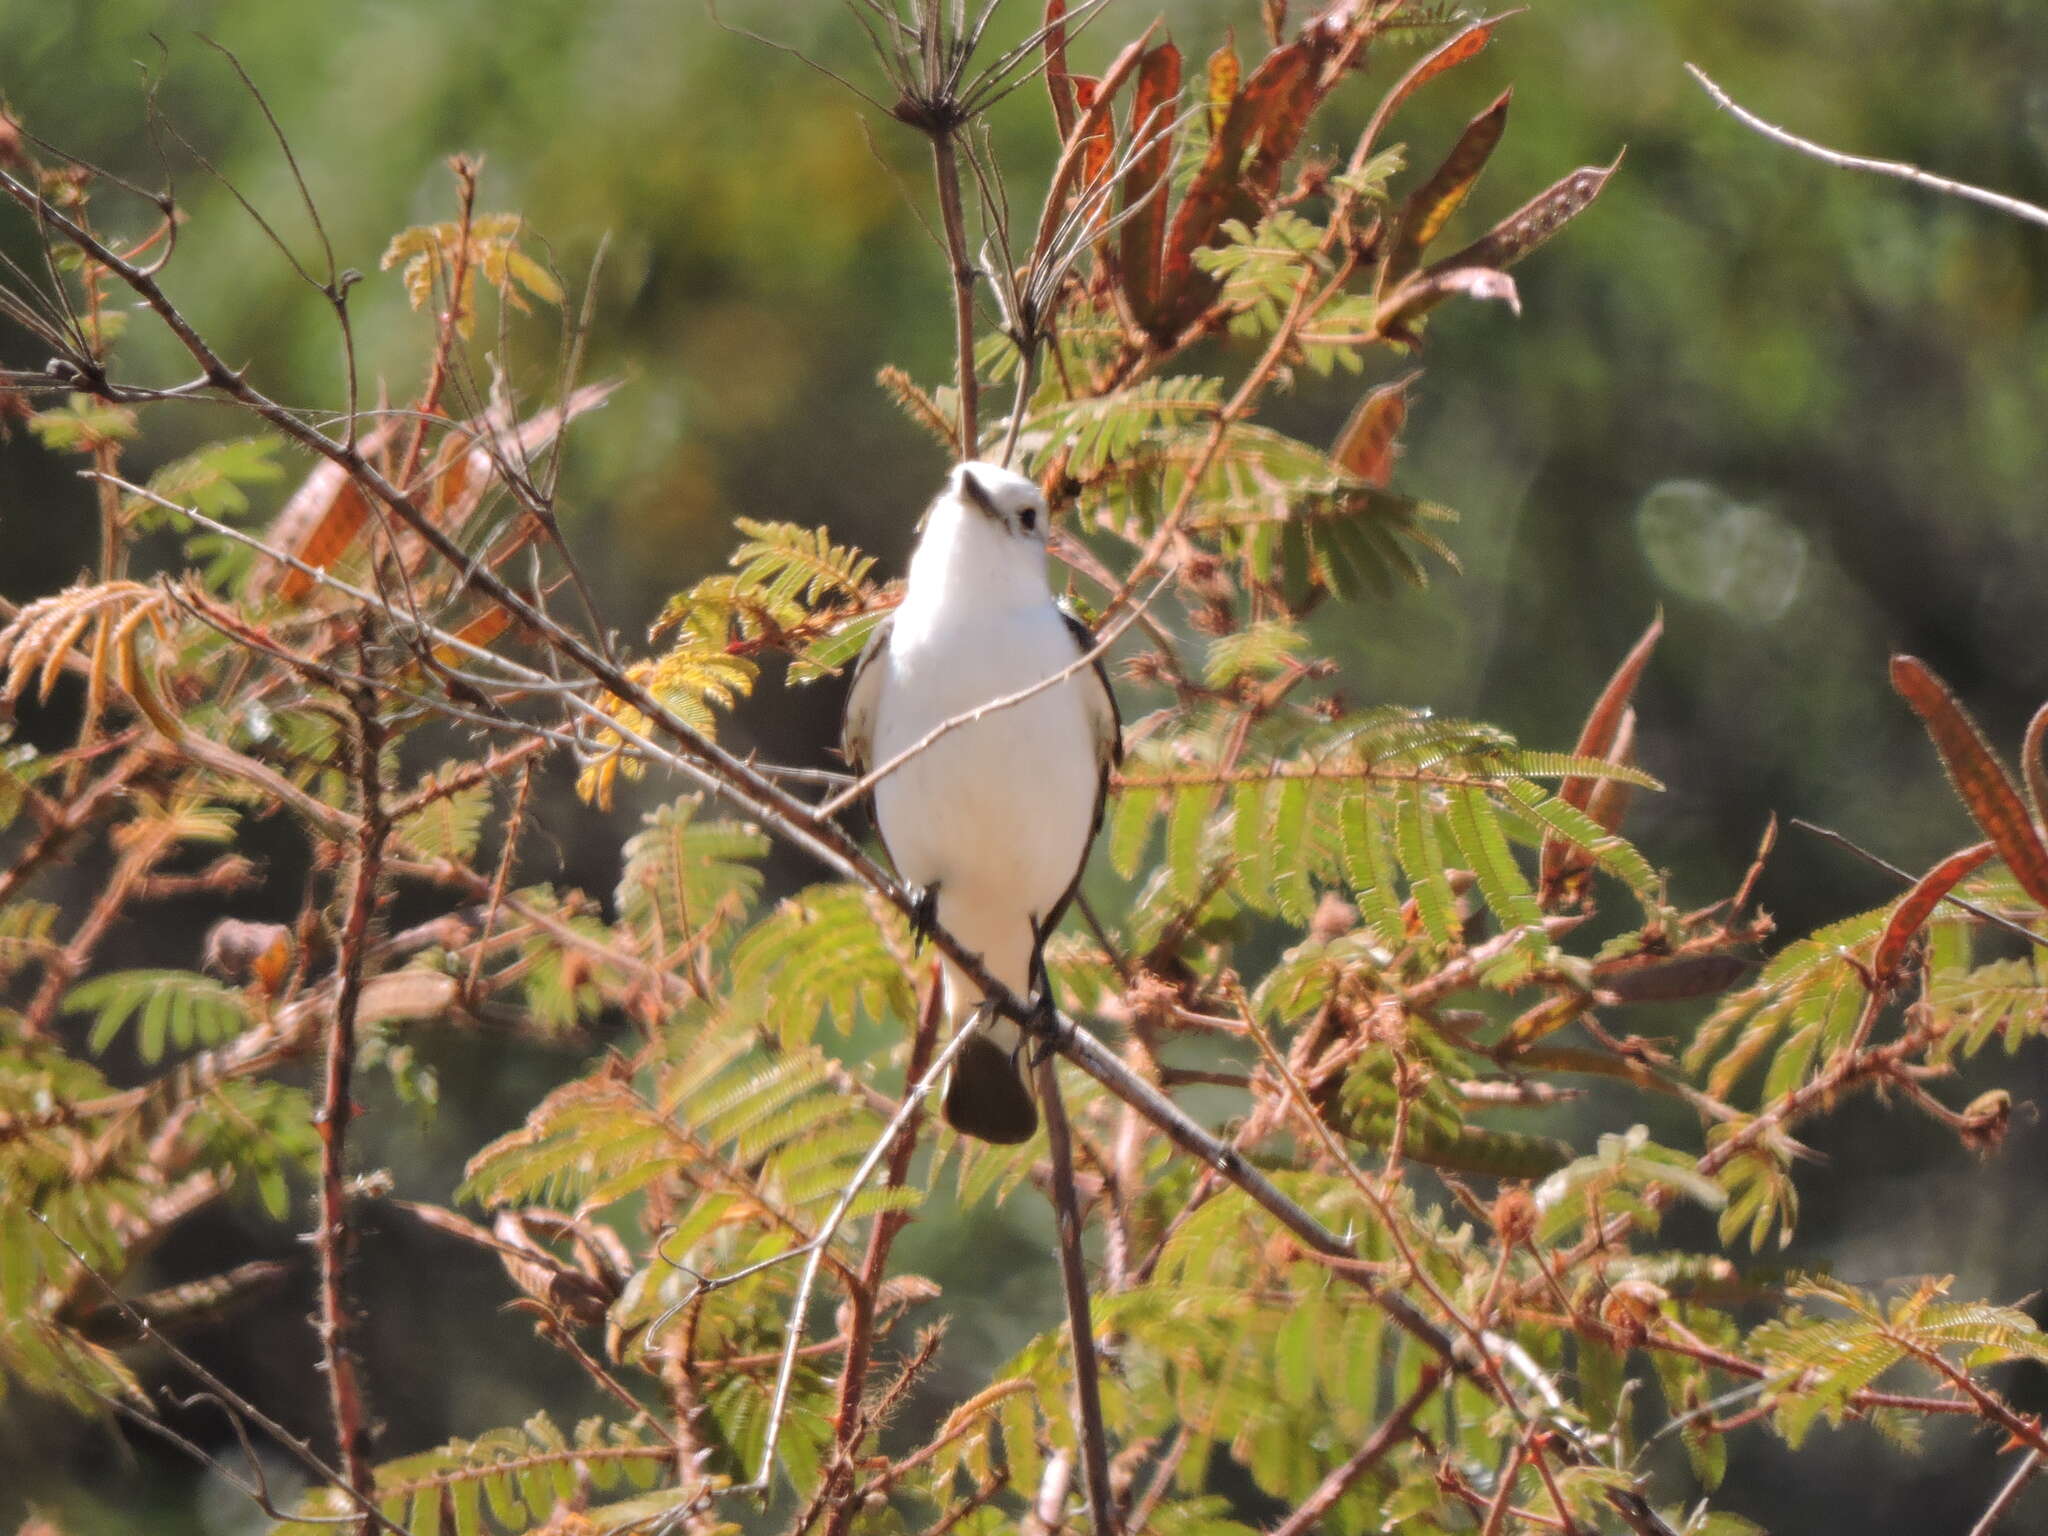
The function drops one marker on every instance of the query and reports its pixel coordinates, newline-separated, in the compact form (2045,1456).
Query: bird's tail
(986,1096)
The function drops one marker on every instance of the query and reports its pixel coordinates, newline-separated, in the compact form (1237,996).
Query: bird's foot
(1045,1033)
(924,915)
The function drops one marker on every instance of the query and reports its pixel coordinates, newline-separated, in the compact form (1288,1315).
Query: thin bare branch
(1899,170)
(2008,1495)
(1074,1281)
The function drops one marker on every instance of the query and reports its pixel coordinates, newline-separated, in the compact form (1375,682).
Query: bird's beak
(977,495)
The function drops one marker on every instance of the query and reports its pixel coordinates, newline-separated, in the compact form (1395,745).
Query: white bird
(992,821)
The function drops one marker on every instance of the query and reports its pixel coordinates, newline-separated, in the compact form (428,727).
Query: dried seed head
(1985,1121)
(1334,917)
(1514,1214)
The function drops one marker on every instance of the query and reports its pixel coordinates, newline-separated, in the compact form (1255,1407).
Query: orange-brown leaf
(1284,98)
(1220,190)
(1454,51)
(1603,730)
(479,632)
(1058,83)
(1098,140)
(317,525)
(322,519)
(2034,766)
(1986,789)
(1155,103)
(1918,904)
(1367,445)
(1430,206)
(1091,123)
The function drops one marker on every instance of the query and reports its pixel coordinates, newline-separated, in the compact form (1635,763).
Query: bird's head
(1008,500)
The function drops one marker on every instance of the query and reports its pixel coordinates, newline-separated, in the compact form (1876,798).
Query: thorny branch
(337,1107)
(1074,1281)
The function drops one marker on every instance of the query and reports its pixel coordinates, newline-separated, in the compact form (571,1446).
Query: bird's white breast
(998,811)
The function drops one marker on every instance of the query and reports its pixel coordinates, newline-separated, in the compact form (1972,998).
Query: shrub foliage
(1402,1288)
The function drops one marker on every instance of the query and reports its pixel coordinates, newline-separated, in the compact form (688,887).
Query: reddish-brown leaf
(1454,51)
(1367,445)
(1918,904)
(1608,804)
(1058,84)
(1986,789)
(2035,767)
(1430,206)
(1088,140)
(1603,730)
(1284,101)
(1155,103)
(1534,222)
(1220,189)
(1098,140)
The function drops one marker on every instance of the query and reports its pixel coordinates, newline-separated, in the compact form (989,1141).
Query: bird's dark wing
(857,730)
(1108,723)
(1103,714)
(863,700)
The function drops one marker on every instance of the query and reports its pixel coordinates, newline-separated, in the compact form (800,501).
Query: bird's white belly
(997,812)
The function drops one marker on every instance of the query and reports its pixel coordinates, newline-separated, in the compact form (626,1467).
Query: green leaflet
(1501,882)
(1422,860)
(822,955)
(448,826)
(1098,430)
(175,1008)
(1612,853)
(687,879)
(504,1482)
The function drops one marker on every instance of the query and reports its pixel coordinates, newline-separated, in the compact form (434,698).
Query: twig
(337,1108)
(1897,169)
(1980,913)
(815,1249)
(850,1421)
(1074,1277)
(1341,1479)
(236,1404)
(946,171)
(2008,1495)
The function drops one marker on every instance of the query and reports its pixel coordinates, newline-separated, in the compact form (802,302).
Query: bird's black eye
(1027,519)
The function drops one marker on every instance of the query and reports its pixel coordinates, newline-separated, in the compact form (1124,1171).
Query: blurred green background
(1803,411)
